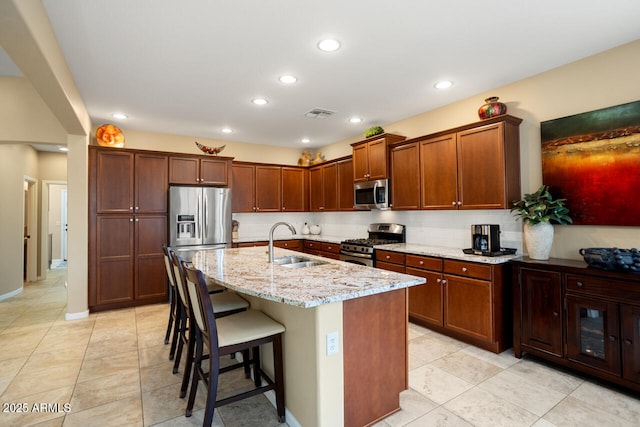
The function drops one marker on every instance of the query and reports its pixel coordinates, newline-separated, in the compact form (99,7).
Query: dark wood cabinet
(371,157)
(476,166)
(466,300)
(405,177)
(327,250)
(294,245)
(199,170)
(597,333)
(295,189)
(256,188)
(127,227)
(426,301)
(323,190)
(345,184)
(541,310)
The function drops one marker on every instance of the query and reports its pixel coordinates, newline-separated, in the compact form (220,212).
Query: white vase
(538,239)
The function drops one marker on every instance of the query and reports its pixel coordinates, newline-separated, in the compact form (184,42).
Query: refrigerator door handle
(206,216)
(198,221)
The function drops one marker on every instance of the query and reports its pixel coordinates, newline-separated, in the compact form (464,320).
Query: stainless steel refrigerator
(199,218)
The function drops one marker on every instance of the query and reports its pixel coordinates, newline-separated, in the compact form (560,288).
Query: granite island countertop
(247,270)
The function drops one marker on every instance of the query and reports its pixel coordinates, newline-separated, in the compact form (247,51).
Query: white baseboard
(11,294)
(75,316)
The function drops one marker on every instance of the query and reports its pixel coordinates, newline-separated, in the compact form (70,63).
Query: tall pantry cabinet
(127,227)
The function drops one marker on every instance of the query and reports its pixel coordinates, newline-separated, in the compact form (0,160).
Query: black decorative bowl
(627,260)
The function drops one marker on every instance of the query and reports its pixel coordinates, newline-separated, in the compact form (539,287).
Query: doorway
(54,225)
(30,230)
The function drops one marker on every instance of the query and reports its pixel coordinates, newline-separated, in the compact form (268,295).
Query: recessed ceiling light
(226,130)
(305,140)
(120,116)
(260,101)
(355,120)
(445,84)
(329,45)
(288,79)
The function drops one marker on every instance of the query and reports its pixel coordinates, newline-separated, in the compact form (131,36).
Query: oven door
(356,258)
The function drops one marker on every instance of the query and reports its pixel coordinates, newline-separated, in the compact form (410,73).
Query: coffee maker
(485,238)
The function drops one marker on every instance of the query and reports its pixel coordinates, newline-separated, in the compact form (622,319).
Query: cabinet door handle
(612,338)
(555,314)
(444,281)
(453,203)
(464,269)
(459,203)
(628,341)
(421,262)
(579,284)
(388,257)
(438,280)
(130,219)
(130,208)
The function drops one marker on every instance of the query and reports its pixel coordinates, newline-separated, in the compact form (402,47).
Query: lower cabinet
(466,300)
(129,263)
(579,317)
(327,250)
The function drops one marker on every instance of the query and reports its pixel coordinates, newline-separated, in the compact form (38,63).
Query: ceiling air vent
(318,113)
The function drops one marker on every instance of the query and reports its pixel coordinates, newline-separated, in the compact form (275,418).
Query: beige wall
(603,80)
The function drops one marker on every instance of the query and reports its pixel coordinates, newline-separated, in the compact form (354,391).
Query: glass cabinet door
(592,333)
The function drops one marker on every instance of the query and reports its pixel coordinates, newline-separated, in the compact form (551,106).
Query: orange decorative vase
(492,108)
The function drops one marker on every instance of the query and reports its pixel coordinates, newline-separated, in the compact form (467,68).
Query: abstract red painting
(593,160)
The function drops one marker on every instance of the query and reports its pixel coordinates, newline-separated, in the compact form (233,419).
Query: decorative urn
(492,108)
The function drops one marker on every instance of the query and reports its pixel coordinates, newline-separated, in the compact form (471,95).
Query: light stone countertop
(247,270)
(444,252)
(315,237)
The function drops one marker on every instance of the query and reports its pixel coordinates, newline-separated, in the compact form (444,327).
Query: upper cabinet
(295,189)
(130,182)
(371,157)
(185,169)
(476,166)
(345,184)
(323,180)
(256,188)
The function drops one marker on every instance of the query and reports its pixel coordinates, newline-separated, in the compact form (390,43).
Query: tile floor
(111,369)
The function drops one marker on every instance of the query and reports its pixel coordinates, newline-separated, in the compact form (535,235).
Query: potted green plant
(538,212)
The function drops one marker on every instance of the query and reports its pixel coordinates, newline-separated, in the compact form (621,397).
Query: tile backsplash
(433,228)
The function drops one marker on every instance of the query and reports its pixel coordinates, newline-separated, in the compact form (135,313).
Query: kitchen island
(353,383)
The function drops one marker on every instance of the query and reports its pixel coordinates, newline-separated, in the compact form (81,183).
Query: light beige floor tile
(624,405)
(10,367)
(45,360)
(575,412)
(117,332)
(151,338)
(467,367)
(413,405)
(44,379)
(253,411)
(125,412)
(159,376)
(119,363)
(155,355)
(103,390)
(108,347)
(504,360)
(61,397)
(436,384)
(428,348)
(550,377)
(481,408)
(531,396)
(439,417)
(164,404)
(196,419)
(51,343)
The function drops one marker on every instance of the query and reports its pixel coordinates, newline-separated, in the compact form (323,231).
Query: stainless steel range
(360,251)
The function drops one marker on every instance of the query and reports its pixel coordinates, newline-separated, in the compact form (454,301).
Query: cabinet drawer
(389,266)
(388,256)
(611,289)
(331,247)
(424,262)
(294,245)
(467,269)
(310,244)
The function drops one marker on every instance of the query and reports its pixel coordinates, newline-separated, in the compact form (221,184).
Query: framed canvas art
(593,160)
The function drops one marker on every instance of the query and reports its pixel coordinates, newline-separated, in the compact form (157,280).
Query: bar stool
(174,297)
(223,303)
(242,331)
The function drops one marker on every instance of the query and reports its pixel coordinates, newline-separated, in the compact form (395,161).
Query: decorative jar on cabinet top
(492,108)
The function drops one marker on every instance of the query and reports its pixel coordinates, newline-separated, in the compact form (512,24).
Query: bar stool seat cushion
(246,326)
(227,301)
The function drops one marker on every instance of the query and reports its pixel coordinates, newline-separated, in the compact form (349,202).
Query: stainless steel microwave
(371,195)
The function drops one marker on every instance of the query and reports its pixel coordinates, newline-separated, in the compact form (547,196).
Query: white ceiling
(192,67)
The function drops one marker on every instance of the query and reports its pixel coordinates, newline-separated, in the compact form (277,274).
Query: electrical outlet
(332,343)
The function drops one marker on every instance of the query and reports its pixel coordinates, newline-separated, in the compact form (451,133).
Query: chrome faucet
(291,227)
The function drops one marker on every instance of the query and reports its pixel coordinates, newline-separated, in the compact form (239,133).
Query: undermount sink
(294,261)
